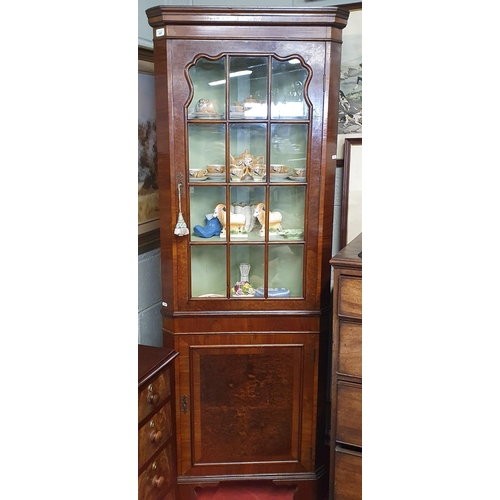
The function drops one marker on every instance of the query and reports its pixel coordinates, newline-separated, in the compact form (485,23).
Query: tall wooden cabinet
(246,110)
(346,442)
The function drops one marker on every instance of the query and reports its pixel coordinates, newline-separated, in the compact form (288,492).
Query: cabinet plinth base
(282,487)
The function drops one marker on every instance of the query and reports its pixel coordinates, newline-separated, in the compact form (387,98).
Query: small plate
(196,179)
(296,179)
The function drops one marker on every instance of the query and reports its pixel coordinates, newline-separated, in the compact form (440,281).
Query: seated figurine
(212,227)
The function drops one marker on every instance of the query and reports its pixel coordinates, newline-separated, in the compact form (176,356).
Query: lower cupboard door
(246,408)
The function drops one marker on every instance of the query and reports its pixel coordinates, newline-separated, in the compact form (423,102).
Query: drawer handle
(158,481)
(155,436)
(153,397)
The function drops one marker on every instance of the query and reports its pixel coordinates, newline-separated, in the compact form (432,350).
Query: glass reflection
(248,87)
(209,101)
(287,89)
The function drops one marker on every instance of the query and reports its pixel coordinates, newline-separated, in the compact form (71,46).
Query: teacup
(197,173)
(258,172)
(299,172)
(280,169)
(205,106)
(237,172)
(216,169)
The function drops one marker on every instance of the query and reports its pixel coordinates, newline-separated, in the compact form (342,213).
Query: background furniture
(345,466)
(157,464)
(251,94)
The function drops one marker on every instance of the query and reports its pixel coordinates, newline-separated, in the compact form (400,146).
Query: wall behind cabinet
(149,321)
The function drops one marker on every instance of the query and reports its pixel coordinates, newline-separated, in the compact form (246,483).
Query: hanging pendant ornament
(181,228)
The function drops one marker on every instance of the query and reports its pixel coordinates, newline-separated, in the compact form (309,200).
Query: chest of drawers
(157,460)
(346,442)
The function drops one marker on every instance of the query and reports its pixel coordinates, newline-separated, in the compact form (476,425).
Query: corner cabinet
(246,123)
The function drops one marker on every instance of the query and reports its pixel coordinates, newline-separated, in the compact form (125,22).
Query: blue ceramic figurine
(212,227)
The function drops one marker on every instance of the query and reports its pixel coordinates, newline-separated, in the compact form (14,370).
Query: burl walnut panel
(154,433)
(156,479)
(248,395)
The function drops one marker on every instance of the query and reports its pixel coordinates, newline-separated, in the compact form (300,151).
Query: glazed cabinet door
(246,151)
(242,404)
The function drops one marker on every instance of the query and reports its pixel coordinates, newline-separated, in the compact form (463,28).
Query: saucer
(196,179)
(206,116)
(296,179)
(293,234)
(277,176)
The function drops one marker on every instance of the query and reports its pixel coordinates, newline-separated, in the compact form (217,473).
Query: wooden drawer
(154,433)
(349,349)
(157,478)
(349,300)
(153,395)
(347,485)
(349,413)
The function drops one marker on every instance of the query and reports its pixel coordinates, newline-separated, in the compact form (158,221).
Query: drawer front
(349,300)
(347,484)
(154,433)
(157,478)
(349,413)
(152,396)
(350,338)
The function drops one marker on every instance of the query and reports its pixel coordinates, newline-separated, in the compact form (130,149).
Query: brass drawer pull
(158,481)
(153,397)
(155,436)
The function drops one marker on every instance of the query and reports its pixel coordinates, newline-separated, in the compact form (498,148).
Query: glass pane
(288,151)
(208,270)
(247,150)
(287,89)
(203,201)
(242,212)
(248,87)
(247,265)
(206,147)
(285,270)
(286,219)
(209,86)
